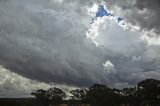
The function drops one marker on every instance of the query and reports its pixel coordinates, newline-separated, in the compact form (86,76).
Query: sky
(76,43)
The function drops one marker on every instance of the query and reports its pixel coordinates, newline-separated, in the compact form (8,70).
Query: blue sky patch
(102,12)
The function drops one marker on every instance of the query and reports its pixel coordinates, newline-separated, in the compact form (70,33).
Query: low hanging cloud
(13,85)
(47,41)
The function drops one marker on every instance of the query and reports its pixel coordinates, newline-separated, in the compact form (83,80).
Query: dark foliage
(51,96)
(146,93)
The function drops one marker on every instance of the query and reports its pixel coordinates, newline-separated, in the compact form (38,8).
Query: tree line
(146,92)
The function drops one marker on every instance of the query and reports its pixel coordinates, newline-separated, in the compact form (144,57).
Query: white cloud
(109,67)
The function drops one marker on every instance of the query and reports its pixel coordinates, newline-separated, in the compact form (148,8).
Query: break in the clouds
(68,42)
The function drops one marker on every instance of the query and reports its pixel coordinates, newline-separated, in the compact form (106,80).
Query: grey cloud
(130,55)
(152,18)
(48,45)
(46,41)
(144,13)
(13,85)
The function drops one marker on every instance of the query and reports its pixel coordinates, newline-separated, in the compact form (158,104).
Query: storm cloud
(42,43)
(144,13)
(46,41)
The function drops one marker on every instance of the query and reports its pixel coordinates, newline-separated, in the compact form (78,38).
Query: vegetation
(51,96)
(146,92)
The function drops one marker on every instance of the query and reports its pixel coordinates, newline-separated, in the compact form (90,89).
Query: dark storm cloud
(152,19)
(39,42)
(46,41)
(144,13)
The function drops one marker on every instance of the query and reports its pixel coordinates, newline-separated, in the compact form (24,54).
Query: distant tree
(149,91)
(128,91)
(51,96)
(41,96)
(129,96)
(99,95)
(115,97)
(55,96)
(79,94)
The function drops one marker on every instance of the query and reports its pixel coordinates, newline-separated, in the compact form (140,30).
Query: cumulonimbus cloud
(144,13)
(48,44)
(46,41)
